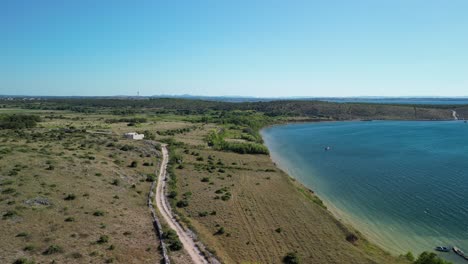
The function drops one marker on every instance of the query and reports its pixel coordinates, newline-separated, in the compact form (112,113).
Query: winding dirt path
(165,210)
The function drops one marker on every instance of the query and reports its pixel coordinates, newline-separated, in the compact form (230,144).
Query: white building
(134,135)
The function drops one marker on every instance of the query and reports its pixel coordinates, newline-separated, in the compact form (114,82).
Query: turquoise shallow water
(403,184)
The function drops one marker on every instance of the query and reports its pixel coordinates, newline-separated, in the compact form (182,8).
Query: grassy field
(72,197)
(248,211)
(69,193)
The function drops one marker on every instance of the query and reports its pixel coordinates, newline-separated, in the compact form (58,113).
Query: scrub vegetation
(73,190)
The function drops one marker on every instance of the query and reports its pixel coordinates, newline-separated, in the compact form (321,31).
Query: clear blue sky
(251,48)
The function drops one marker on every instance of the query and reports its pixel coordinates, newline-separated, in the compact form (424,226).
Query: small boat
(442,249)
(458,251)
(327,148)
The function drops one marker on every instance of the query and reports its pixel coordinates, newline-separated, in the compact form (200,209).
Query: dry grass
(267,215)
(89,188)
(246,210)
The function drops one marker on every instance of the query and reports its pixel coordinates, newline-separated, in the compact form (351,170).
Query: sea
(403,184)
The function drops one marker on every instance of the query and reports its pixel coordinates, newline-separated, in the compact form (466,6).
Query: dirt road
(165,210)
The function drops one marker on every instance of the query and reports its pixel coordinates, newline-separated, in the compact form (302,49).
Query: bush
(409,256)
(28,248)
(175,245)
(22,234)
(150,177)
(205,179)
(202,214)
(430,258)
(134,164)
(172,194)
(352,238)
(291,258)
(172,240)
(8,191)
(69,219)
(226,196)
(103,239)
(70,197)
(9,214)
(220,231)
(53,249)
(116,182)
(23,261)
(182,203)
(98,213)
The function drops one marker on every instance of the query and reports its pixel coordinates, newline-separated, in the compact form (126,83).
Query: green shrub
(182,203)
(150,177)
(98,213)
(116,182)
(430,258)
(9,214)
(172,194)
(172,240)
(203,214)
(70,197)
(291,258)
(53,249)
(8,191)
(23,261)
(226,196)
(103,239)
(205,179)
(29,248)
(134,164)
(220,231)
(22,234)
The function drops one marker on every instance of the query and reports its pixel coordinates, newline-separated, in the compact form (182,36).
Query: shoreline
(388,242)
(341,217)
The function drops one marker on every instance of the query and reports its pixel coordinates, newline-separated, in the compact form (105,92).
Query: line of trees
(216,140)
(18,121)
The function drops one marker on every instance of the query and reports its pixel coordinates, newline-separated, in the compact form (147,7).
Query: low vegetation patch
(291,258)
(172,240)
(18,121)
(53,249)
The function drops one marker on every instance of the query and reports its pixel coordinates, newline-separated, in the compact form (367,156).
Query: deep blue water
(403,184)
(421,101)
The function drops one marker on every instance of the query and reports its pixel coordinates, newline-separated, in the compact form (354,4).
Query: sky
(257,48)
